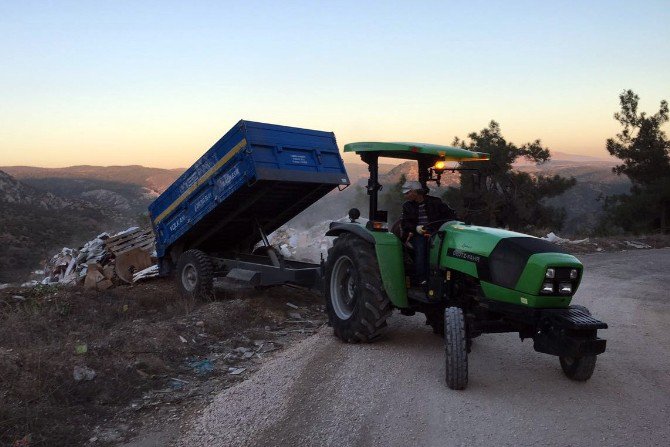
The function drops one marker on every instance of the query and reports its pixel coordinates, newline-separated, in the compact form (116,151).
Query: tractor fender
(337,228)
(389,258)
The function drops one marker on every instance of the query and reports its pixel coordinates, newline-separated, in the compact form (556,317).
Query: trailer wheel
(579,368)
(194,275)
(455,340)
(356,303)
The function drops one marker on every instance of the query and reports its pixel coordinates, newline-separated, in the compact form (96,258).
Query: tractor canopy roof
(415,151)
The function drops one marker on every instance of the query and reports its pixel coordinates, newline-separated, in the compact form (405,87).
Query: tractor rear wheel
(579,368)
(195,275)
(356,303)
(455,340)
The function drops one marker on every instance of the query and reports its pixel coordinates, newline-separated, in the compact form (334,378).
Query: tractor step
(419,294)
(573,318)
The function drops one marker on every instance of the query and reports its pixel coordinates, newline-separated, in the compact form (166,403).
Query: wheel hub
(343,287)
(189,277)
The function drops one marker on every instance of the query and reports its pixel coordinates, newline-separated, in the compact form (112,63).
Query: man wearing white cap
(421,215)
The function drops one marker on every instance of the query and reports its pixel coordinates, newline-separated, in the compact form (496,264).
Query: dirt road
(392,393)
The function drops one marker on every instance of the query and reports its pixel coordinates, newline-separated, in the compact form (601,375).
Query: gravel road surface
(392,392)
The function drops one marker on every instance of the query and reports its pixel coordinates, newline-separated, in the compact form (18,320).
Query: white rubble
(552,237)
(83,373)
(637,244)
(148,272)
(306,245)
(70,266)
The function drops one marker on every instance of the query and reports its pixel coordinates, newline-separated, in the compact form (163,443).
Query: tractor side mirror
(354,214)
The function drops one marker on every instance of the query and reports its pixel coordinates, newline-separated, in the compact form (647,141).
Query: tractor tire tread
(205,271)
(373,306)
(456,349)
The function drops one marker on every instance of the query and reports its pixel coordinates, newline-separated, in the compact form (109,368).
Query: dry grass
(132,337)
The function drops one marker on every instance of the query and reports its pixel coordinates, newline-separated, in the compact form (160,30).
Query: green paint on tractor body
(415,150)
(509,266)
(390,258)
(468,249)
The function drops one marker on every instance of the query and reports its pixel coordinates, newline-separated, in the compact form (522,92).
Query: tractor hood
(508,260)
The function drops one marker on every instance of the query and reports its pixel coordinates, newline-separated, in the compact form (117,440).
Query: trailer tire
(356,303)
(579,368)
(455,341)
(195,275)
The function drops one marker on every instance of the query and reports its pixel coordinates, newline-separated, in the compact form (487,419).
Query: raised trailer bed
(253,180)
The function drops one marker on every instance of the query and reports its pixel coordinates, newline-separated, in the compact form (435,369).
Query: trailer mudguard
(389,257)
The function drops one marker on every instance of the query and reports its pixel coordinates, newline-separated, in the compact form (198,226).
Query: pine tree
(497,196)
(643,148)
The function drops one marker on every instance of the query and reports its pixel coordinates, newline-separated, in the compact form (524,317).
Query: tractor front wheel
(455,340)
(579,368)
(356,303)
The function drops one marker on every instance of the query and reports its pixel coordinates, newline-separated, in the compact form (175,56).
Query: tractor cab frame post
(425,163)
(373,187)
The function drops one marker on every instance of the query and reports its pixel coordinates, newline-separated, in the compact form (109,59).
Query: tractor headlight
(565,288)
(574,273)
(547,287)
(550,273)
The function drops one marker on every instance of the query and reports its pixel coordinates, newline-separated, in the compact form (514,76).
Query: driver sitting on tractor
(421,216)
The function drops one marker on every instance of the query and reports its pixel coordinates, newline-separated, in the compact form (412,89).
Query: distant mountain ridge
(34,223)
(156,179)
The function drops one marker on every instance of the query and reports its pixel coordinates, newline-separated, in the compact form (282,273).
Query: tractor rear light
(574,273)
(547,287)
(550,273)
(565,288)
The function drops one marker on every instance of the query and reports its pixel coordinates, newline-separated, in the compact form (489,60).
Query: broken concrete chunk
(104,284)
(83,373)
(93,277)
(236,371)
(148,272)
(108,271)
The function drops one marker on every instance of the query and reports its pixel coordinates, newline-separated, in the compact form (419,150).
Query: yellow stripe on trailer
(238,147)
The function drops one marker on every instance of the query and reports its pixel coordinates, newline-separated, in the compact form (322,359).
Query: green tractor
(481,280)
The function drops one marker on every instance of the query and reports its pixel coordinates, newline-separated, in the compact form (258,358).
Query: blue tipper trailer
(253,180)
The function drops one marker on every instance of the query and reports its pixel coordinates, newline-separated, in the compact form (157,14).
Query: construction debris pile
(307,245)
(125,257)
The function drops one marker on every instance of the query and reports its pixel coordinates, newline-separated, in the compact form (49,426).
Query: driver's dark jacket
(437,212)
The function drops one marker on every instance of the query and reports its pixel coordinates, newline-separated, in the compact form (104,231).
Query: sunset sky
(156,83)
